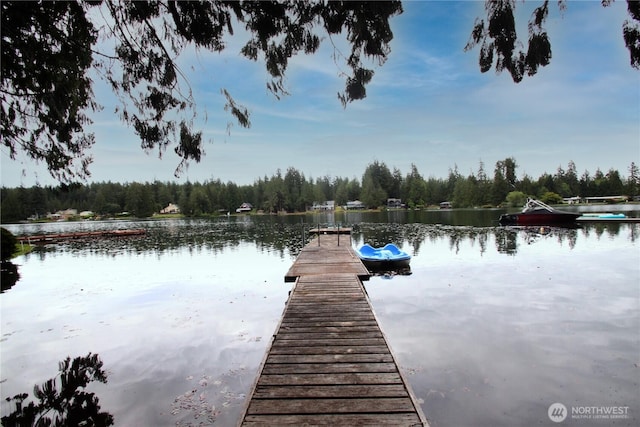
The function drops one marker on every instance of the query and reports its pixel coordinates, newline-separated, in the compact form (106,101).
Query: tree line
(293,192)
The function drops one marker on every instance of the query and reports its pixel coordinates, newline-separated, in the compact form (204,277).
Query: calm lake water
(492,326)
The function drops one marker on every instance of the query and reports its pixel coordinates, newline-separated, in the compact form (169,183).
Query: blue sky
(428,105)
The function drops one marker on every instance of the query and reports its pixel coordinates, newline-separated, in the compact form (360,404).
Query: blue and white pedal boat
(389,256)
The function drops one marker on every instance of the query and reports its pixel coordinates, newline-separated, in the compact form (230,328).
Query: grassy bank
(22,249)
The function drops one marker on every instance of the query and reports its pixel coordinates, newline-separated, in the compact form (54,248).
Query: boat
(607,215)
(536,212)
(389,257)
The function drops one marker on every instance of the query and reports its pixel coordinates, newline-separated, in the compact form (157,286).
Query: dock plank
(330,358)
(324,256)
(334,391)
(329,362)
(347,420)
(376,378)
(331,406)
(325,368)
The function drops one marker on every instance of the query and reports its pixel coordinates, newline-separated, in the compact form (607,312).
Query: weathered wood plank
(330,391)
(335,306)
(301,329)
(347,420)
(278,341)
(331,358)
(327,258)
(331,379)
(328,335)
(326,368)
(331,406)
(338,317)
(336,298)
(328,323)
(336,349)
(323,310)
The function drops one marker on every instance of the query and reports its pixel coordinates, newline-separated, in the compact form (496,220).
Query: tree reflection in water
(63,400)
(8,275)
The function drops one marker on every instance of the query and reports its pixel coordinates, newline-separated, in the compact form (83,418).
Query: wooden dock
(57,237)
(594,219)
(329,362)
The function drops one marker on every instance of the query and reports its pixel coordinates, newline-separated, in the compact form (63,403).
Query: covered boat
(389,256)
(536,212)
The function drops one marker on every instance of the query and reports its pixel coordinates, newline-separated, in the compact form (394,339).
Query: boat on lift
(536,212)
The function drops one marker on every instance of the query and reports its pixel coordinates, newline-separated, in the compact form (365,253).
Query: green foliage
(500,47)
(7,244)
(48,49)
(631,33)
(551,198)
(45,91)
(377,185)
(516,198)
(63,401)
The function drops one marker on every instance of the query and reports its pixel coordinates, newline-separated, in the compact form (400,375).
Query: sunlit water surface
(491,327)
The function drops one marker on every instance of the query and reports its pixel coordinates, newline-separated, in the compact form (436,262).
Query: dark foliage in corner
(8,244)
(49,48)
(496,35)
(63,401)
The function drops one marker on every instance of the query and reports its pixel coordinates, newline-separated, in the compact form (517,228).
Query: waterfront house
(355,204)
(171,209)
(394,203)
(328,205)
(245,207)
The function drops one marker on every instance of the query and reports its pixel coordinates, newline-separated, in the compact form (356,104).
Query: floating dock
(53,238)
(330,230)
(595,218)
(329,362)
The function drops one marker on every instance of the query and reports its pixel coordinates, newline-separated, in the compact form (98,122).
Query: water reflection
(63,400)
(285,236)
(508,240)
(9,275)
(492,326)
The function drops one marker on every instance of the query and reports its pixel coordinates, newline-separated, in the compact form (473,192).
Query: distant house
(572,200)
(329,205)
(355,204)
(445,205)
(394,203)
(171,209)
(63,215)
(245,207)
(606,199)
